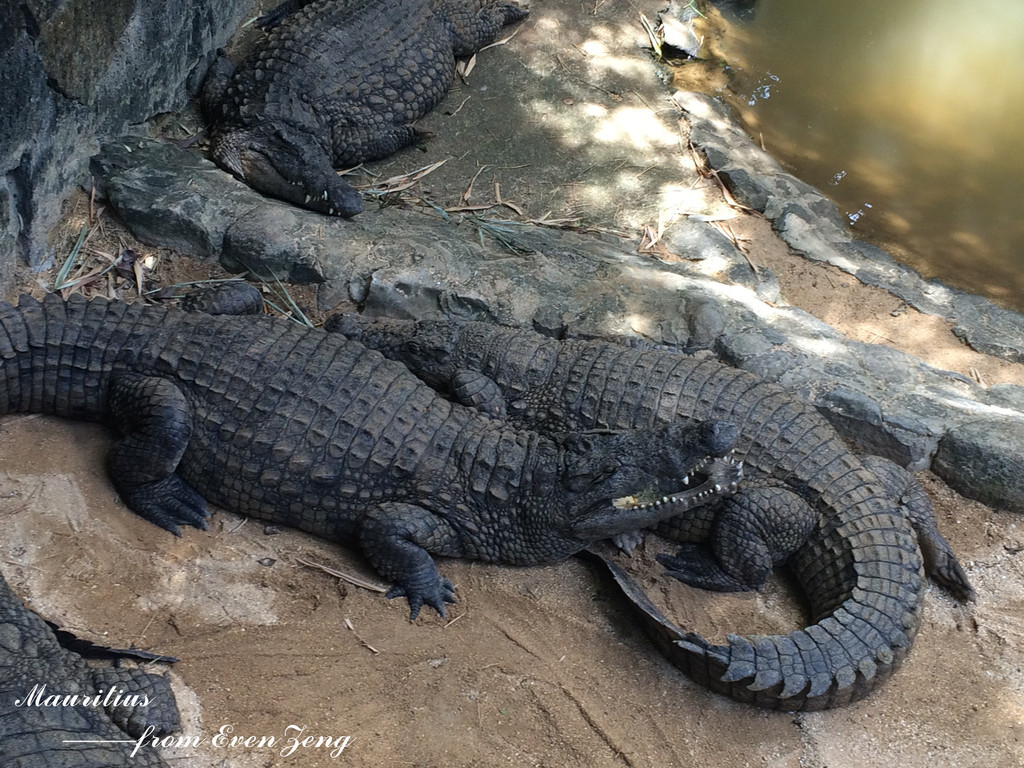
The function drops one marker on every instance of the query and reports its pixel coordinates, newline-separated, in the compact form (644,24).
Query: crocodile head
(429,348)
(618,482)
(286,163)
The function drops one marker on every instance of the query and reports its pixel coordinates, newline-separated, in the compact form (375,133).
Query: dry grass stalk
(357,581)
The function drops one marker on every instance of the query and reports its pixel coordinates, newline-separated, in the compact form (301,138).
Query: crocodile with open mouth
(308,429)
(851,528)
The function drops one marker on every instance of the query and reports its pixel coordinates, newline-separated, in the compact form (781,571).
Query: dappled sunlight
(654,295)
(598,123)
(819,347)
(636,127)
(693,200)
(925,336)
(628,126)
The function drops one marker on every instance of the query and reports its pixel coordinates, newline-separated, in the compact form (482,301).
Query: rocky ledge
(392,261)
(811,225)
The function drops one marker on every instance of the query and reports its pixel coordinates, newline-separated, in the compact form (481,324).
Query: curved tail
(868,597)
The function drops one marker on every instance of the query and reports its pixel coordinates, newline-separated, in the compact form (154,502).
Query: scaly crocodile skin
(834,518)
(35,736)
(310,430)
(338,83)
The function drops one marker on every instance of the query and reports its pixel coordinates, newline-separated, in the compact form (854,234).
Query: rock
(273,243)
(192,218)
(680,35)
(566,284)
(706,324)
(679,28)
(77,71)
(812,226)
(984,460)
(697,240)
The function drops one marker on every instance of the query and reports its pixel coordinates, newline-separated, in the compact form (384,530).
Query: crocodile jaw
(711,479)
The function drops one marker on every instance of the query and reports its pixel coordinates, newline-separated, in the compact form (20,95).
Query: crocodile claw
(628,542)
(168,503)
(442,592)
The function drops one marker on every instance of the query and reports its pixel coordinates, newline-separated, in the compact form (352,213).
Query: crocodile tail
(843,656)
(54,354)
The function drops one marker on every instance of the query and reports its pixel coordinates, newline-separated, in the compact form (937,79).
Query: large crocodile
(338,83)
(311,430)
(57,711)
(845,525)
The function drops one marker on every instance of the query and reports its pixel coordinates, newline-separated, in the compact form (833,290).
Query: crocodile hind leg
(939,561)
(156,423)
(398,539)
(752,532)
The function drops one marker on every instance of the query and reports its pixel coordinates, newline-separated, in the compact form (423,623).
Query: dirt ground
(535,666)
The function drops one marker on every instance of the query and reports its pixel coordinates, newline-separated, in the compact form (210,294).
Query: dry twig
(349,625)
(350,578)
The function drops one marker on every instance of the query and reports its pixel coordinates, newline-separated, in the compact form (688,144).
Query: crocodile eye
(583,444)
(586,476)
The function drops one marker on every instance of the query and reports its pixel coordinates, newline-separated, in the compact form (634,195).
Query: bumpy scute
(307,429)
(37,736)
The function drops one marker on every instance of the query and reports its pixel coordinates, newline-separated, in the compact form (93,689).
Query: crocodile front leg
(398,539)
(155,419)
(478,390)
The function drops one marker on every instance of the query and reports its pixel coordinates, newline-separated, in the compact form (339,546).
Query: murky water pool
(910,115)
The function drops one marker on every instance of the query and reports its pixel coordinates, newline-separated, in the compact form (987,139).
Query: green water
(909,114)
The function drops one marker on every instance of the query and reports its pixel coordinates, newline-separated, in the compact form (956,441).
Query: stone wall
(75,71)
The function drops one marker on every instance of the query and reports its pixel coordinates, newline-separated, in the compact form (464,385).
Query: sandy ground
(537,666)
(534,667)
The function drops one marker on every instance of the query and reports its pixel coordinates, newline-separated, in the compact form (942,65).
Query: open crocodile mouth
(713,476)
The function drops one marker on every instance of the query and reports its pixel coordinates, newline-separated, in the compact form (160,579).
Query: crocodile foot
(693,564)
(168,503)
(435,595)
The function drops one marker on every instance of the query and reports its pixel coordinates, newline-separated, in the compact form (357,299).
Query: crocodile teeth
(686,480)
(325,194)
(718,488)
(308,198)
